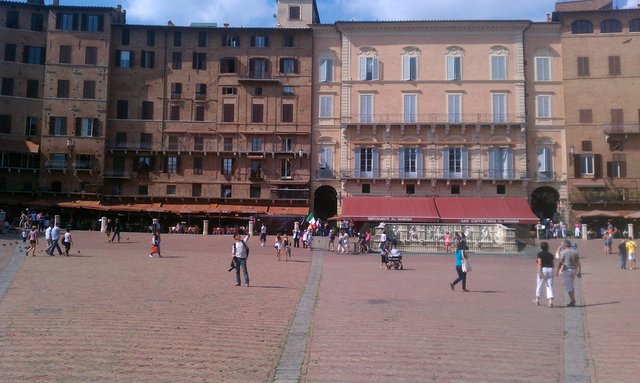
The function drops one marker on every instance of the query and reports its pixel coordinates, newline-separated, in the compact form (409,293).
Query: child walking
(67,241)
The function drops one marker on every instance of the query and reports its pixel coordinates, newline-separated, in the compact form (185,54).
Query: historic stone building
(209,119)
(420,109)
(601,81)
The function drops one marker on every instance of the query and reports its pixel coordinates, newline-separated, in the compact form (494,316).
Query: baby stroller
(394,260)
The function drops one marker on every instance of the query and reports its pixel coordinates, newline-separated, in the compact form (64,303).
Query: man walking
(55,237)
(263,235)
(570,268)
(240,252)
(47,237)
(622,249)
(116,230)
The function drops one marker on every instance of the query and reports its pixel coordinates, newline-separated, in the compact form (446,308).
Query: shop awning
(485,210)
(242,209)
(297,211)
(599,213)
(586,183)
(16,146)
(390,209)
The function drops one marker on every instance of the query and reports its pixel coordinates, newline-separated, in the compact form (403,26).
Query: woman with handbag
(461,268)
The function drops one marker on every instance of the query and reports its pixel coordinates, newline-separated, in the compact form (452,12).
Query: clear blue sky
(260,12)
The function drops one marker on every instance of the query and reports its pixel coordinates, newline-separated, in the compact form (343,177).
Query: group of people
(343,242)
(568,266)
(112,230)
(627,251)
(283,247)
(455,240)
(52,234)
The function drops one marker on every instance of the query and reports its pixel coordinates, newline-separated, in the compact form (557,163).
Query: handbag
(466,266)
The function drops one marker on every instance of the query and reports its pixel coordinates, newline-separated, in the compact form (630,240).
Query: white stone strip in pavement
(9,272)
(289,367)
(576,358)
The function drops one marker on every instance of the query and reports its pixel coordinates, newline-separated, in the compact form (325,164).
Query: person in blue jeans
(462,276)
(240,252)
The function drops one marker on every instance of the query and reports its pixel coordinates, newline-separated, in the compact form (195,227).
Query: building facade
(233,120)
(420,109)
(600,49)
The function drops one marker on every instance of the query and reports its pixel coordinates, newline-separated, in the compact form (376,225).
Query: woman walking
(33,241)
(155,244)
(462,275)
(545,274)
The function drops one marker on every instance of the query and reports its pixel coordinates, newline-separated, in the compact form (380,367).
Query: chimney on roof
(226,25)
(56,2)
(548,17)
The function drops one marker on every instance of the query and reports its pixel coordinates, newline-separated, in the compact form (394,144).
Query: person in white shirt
(55,237)
(263,235)
(67,241)
(47,237)
(240,252)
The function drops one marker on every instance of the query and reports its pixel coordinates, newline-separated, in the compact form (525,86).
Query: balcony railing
(326,173)
(56,165)
(433,118)
(258,76)
(622,128)
(433,174)
(129,145)
(117,173)
(85,165)
(606,196)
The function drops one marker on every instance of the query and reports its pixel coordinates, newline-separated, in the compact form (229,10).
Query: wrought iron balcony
(434,118)
(622,128)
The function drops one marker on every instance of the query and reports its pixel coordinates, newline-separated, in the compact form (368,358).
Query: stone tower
(297,13)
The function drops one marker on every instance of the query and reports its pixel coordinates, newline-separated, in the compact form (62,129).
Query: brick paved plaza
(109,313)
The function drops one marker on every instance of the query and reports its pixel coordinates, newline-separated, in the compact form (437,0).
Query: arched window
(634,25)
(610,26)
(581,26)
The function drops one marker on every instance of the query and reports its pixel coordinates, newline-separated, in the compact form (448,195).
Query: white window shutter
(450,68)
(375,167)
(413,68)
(357,163)
(363,68)
(401,162)
(419,163)
(509,164)
(406,68)
(376,62)
(445,162)
(323,70)
(465,162)
(328,159)
(492,163)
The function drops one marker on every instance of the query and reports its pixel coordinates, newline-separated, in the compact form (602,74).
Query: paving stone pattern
(112,314)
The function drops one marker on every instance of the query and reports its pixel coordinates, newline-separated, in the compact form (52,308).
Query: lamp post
(572,153)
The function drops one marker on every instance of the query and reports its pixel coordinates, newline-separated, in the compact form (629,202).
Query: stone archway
(325,202)
(544,202)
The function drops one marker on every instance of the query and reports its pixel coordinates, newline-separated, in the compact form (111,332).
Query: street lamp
(572,153)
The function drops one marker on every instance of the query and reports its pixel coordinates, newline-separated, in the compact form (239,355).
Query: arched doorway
(544,202)
(325,202)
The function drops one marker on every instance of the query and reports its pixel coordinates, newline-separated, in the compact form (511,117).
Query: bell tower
(297,13)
